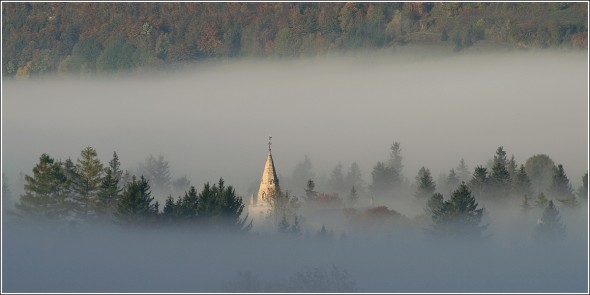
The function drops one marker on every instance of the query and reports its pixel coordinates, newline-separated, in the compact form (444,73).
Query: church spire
(269,183)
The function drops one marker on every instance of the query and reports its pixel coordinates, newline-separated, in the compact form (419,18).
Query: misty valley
(408,151)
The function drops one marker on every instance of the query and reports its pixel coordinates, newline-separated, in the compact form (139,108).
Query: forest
(84,38)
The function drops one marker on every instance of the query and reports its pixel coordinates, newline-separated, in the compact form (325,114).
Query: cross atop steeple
(269,143)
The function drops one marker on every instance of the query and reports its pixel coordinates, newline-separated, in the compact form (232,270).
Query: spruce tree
(355,178)
(310,193)
(500,178)
(512,167)
(434,204)
(45,193)
(549,227)
(479,182)
(541,201)
(395,164)
(136,207)
(560,185)
(384,178)
(525,206)
(353,196)
(295,229)
(109,190)
(425,184)
(89,173)
(458,217)
(522,184)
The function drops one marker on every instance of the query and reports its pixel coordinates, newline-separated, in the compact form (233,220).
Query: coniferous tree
(218,206)
(45,192)
(560,185)
(512,167)
(6,193)
(458,217)
(157,171)
(425,184)
(434,203)
(479,182)
(500,177)
(521,184)
(395,163)
(525,206)
(540,170)
(180,185)
(89,173)
(295,229)
(136,207)
(549,227)
(109,190)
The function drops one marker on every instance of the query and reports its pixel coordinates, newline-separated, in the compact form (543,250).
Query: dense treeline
(86,191)
(105,37)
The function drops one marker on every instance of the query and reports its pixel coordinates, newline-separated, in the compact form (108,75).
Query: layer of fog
(213,121)
(401,259)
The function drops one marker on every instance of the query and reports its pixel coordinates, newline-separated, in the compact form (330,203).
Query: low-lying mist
(214,120)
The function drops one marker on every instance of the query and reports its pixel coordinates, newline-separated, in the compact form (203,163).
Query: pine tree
(425,184)
(395,163)
(136,207)
(219,207)
(109,190)
(336,182)
(549,226)
(522,184)
(458,217)
(480,181)
(157,171)
(525,206)
(434,204)
(89,173)
(45,192)
(512,167)
(500,177)
(560,185)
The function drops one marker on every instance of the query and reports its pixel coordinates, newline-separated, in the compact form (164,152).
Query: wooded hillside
(105,37)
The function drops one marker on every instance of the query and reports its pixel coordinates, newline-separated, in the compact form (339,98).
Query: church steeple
(269,184)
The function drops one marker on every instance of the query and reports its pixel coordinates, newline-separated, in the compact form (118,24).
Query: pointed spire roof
(269,183)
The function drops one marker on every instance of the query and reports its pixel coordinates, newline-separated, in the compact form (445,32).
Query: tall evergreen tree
(218,206)
(136,206)
(521,184)
(395,163)
(109,190)
(500,178)
(283,227)
(157,171)
(89,173)
(541,201)
(549,227)
(560,185)
(45,193)
(425,184)
(458,217)
(434,204)
(479,182)
(512,167)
